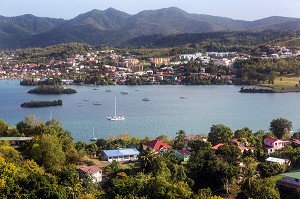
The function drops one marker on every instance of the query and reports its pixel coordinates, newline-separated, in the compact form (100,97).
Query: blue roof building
(121,155)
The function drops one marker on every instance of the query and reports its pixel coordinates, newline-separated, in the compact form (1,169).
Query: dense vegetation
(256,90)
(33,104)
(45,167)
(48,89)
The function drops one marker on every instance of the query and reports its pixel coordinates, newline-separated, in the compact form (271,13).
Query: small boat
(145,99)
(183,97)
(79,104)
(86,100)
(116,117)
(136,90)
(97,103)
(96,89)
(108,90)
(93,139)
(124,92)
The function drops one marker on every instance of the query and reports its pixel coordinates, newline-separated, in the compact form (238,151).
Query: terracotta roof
(90,169)
(242,148)
(270,139)
(184,152)
(217,146)
(157,145)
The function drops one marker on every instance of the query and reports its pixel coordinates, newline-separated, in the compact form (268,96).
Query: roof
(297,142)
(157,145)
(217,146)
(267,147)
(294,174)
(184,152)
(15,138)
(278,160)
(90,169)
(242,148)
(121,152)
(270,139)
(193,137)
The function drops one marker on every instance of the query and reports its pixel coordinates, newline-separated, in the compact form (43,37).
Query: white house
(273,160)
(121,155)
(93,171)
(273,144)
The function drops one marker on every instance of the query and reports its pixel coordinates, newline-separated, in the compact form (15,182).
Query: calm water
(165,113)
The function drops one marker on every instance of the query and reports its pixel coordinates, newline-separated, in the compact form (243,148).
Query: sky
(236,9)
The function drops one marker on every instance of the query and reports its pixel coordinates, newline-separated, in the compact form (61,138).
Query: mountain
(114,27)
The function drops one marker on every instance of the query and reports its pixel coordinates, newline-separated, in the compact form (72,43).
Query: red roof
(157,145)
(242,148)
(270,139)
(217,146)
(184,152)
(90,169)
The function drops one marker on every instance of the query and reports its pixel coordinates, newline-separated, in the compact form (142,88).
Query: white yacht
(93,139)
(116,117)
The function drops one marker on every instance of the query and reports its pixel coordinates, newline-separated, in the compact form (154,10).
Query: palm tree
(250,175)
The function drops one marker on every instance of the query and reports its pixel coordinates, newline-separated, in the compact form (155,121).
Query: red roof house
(272,144)
(156,145)
(93,171)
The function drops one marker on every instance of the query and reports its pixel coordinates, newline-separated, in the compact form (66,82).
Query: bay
(171,108)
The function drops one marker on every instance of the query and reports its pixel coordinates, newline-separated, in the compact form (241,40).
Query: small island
(33,104)
(256,90)
(48,89)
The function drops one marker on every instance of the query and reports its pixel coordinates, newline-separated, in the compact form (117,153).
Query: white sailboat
(116,117)
(93,139)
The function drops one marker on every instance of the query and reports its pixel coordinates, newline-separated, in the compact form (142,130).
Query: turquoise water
(165,113)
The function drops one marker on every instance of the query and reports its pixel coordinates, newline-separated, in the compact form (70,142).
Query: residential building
(121,155)
(93,171)
(273,144)
(183,155)
(157,146)
(273,160)
(241,148)
(289,185)
(295,143)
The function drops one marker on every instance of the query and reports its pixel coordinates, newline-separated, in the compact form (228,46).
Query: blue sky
(236,9)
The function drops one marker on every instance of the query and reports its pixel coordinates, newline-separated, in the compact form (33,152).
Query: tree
(243,133)
(180,140)
(3,128)
(229,153)
(199,144)
(250,175)
(280,127)
(219,134)
(47,151)
(296,135)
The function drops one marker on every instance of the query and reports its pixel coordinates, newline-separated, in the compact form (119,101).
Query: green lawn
(285,84)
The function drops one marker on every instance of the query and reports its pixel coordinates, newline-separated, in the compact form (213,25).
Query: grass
(284,84)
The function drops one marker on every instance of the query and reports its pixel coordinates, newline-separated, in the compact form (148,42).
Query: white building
(273,160)
(121,155)
(93,171)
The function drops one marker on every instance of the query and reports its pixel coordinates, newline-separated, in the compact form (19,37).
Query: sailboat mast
(115,106)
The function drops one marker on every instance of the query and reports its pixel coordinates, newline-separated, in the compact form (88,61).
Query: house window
(276,144)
